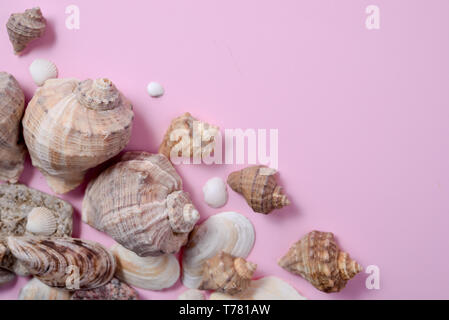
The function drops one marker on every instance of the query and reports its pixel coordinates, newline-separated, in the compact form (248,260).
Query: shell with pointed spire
(71,126)
(317,258)
(12,152)
(258,185)
(25,27)
(140,203)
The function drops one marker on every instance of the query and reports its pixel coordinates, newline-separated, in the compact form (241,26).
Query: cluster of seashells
(71,126)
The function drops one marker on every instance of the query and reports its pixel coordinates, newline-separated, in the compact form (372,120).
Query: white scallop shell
(151,273)
(155,89)
(41,221)
(41,70)
(215,193)
(36,290)
(268,288)
(230,232)
(192,294)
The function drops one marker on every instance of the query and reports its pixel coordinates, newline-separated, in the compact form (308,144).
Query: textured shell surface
(230,232)
(140,203)
(6,276)
(37,290)
(215,193)
(12,150)
(41,70)
(151,273)
(268,288)
(114,290)
(192,294)
(64,262)
(24,27)
(258,185)
(71,126)
(41,221)
(317,258)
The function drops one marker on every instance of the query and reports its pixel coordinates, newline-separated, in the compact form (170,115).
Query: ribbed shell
(41,70)
(12,149)
(140,203)
(72,126)
(41,221)
(37,290)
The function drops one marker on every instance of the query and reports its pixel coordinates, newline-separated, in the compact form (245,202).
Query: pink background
(362,117)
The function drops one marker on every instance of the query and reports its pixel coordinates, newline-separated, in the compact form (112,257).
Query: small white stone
(155,89)
(41,70)
(215,193)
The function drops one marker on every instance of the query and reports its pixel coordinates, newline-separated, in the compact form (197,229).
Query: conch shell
(227,274)
(71,126)
(12,152)
(36,290)
(230,232)
(64,262)
(151,273)
(140,203)
(192,294)
(258,186)
(317,258)
(25,27)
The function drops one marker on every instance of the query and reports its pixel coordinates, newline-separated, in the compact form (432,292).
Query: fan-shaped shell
(230,232)
(41,70)
(36,290)
(140,203)
(71,126)
(41,221)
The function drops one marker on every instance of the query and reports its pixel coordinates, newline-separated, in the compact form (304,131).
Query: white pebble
(155,89)
(215,193)
(41,70)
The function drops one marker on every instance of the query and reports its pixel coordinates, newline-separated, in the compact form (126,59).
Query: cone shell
(140,203)
(71,126)
(25,27)
(151,273)
(12,150)
(41,221)
(230,232)
(36,290)
(58,261)
(192,294)
(6,276)
(41,70)
(317,258)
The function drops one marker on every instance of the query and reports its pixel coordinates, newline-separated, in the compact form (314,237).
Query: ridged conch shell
(25,27)
(227,274)
(151,273)
(268,288)
(71,126)
(36,290)
(192,294)
(41,70)
(215,193)
(188,137)
(317,258)
(6,276)
(230,232)
(12,104)
(64,262)
(258,186)
(41,221)
(140,203)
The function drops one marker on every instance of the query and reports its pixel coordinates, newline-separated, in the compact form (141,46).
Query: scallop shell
(71,126)
(6,276)
(12,152)
(258,186)
(192,294)
(317,258)
(230,232)
(36,290)
(140,203)
(268,288)
(41,70)
(25,27)
(151,273)
(41,221)
(64,262)
(215,193)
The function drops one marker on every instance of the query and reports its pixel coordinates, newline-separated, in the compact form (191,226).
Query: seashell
(317,258)
(71,126)
(192,294)
(41,70)
(155,89)
(230,232)
(64,262)
(41,221)
(227,274)
(140,203)
(258,186)
(188,137)
(12,152)
(6,276)
(114,290)
(215,193)
(25,27)
(151,273)
(36,290)
(268,288)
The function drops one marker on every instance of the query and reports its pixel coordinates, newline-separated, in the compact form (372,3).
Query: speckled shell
(71,126)
(317,258)
(12,150)
(37,290)
(25,27)
(114,290)
(258,186)
(57,261)
(140,203)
